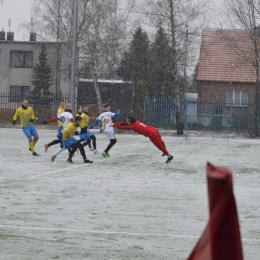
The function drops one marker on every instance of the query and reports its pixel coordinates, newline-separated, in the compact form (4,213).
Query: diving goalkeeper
(146,130)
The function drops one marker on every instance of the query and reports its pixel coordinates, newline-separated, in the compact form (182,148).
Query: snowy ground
(130,206)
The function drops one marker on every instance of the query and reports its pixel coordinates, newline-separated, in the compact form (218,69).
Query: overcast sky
(19,11)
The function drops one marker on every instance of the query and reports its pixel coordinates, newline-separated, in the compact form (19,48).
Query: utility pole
(73,56)
(58,46)
(185,62)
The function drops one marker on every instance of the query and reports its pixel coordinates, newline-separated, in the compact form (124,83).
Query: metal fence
(45,107)
(199,114)
(196,114)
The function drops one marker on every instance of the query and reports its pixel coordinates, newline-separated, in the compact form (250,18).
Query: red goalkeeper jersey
(138,127)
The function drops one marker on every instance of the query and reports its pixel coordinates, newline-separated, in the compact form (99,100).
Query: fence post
(185,119)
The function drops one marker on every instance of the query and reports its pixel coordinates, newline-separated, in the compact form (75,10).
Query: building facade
(225,68)
(17,59)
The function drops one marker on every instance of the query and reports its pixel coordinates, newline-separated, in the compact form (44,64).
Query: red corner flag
(221,237)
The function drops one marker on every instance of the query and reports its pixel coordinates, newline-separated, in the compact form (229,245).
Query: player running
(66,137)
(109,130)
(64,116)
(86,136)
(26,114)
(147,131)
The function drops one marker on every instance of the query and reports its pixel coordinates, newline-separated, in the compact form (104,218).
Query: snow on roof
(105,81)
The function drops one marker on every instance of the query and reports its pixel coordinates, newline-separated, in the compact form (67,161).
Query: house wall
(217,90)
(22,76)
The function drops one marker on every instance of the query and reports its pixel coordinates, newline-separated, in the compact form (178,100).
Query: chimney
(32,37)
(2,35)
(10,36)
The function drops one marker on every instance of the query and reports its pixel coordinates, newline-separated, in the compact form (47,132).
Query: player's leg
(35,135)
(72,147)
(56,141)
(160,144)
(46,146)
(85,138)
(82,151)
(60,150)
(156,139)
(89,145)
(27,133)
(112,142)
(86,143)
(94,144)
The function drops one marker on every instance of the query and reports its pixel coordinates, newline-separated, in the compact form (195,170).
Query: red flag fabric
(221,238)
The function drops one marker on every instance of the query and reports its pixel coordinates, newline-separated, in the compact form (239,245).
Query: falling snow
(129,206)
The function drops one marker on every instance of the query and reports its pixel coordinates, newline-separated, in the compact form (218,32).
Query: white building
(17,59)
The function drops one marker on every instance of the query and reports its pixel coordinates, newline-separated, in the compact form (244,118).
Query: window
(19,93)
(21,59)
(237,98)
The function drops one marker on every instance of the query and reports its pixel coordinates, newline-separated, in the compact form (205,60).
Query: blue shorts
(60,128)
(85,136)
(68,143)
(29,131)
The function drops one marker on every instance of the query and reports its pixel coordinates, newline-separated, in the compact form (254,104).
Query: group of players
(68,127)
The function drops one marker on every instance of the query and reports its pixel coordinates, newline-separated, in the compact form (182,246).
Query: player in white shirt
(109,130)
(65,117)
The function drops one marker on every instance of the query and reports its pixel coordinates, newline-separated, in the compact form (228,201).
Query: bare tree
(245,15)
(104,40)
(101,32)
(173,16)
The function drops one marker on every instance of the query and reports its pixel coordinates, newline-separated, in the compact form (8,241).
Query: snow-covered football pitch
(129,206)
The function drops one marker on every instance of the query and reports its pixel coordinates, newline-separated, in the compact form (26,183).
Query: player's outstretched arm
(122,126)
(95,123)
(50,120)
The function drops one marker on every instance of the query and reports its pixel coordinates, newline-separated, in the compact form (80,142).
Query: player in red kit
(146,130)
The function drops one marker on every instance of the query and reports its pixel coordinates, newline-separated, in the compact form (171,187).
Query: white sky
(19,11)
(16,10)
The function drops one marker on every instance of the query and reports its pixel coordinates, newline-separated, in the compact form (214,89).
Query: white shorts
(110,135)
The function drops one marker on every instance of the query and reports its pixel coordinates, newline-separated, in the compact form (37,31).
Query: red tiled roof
(222,56)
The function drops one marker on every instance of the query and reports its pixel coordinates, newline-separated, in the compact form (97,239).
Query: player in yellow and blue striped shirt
(66,137)
(26,115)
(87,136)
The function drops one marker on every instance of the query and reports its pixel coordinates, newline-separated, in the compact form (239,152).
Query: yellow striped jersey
(85,119)
(69,130)
(60,110)
(25,116)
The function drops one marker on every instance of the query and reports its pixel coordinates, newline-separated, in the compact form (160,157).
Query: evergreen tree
(135,67)
(42,74)
(139,56)
(135,63)
(124,70)
(160,65)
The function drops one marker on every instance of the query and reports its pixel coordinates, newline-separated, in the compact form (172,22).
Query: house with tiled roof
(225,68)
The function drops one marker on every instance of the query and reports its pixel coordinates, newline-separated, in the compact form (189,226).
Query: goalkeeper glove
(31,120)
(44,122)
(14,122)
(117,113)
